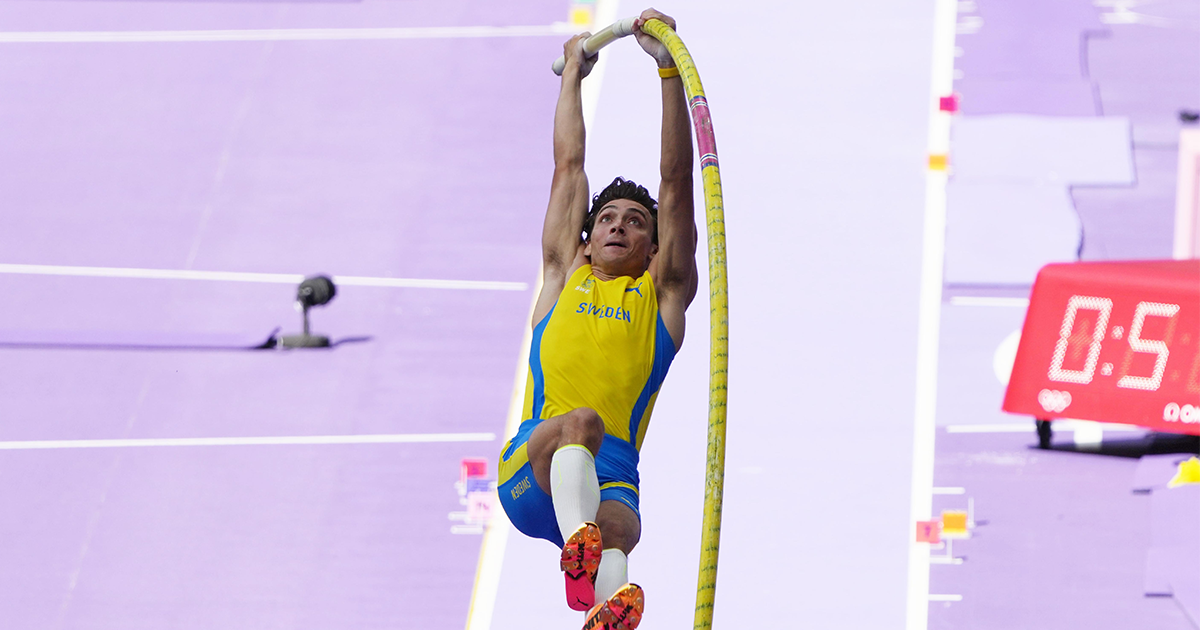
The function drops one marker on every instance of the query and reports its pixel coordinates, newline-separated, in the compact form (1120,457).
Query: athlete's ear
(587,248)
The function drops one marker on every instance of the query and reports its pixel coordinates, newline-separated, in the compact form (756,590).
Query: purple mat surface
(374,158)
(1173,562)
(1025,40)
(1060,60)
(1036,96)
(1131,222)
(67,15)
(242,159)
(1009,211)
(1061,542)
(1002,234)
(1155,471)
(1021,149)
(246,537)
(968,390)
(1065,543)
(1148,73)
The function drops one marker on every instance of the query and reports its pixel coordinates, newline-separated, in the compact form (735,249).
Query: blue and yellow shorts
(530,509)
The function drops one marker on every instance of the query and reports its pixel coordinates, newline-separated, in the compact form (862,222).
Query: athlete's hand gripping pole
(593,44)
(710,538)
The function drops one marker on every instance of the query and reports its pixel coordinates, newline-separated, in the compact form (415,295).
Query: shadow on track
(1149,444)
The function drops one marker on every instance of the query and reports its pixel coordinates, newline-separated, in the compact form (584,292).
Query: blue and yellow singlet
(604,345)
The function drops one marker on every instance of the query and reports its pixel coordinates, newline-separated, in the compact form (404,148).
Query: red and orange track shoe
(622,611)
(580,561)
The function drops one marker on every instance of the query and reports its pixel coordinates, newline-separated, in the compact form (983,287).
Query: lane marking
(945,598)
(273,440)
(966,300)
(933,259)
(949,490)
(269,278)
(284,34)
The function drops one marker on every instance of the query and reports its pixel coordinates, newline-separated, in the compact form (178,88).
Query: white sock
(613,573)
(574,489)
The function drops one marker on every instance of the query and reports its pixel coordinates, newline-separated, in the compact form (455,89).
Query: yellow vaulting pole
(718,297)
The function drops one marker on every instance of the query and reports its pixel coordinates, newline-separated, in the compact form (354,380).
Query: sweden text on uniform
(604,312)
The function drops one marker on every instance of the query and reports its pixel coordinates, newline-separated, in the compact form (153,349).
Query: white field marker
(269,278)
(283,34)
(274,440)
(929,313)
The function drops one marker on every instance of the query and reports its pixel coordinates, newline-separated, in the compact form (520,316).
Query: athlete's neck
(603,275)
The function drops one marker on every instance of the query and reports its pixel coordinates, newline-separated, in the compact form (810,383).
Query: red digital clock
(1112,342)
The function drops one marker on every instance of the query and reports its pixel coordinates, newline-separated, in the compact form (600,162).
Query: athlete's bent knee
(618,531)
(583,426)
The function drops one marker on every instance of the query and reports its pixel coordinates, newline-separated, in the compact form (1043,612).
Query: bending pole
(718,299)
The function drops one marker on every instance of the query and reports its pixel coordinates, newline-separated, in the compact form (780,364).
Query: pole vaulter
(619,273)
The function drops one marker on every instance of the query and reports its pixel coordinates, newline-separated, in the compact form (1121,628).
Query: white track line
(279,440)
(949,490)
(929,315)
(283,34)
(945,598)
(966,300)
(270,278)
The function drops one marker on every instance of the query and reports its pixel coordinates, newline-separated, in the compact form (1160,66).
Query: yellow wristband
(667,73)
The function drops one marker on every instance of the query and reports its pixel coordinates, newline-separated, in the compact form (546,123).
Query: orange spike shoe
(622,611)
(580,561)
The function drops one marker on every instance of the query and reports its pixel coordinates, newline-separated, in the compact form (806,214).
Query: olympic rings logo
(1053,400)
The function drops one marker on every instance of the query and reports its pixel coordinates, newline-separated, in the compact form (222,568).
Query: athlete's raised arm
(674,268)
(569,189)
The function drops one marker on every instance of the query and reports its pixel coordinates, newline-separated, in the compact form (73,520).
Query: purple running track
(399,158)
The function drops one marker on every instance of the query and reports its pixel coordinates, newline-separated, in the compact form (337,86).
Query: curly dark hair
(621,188)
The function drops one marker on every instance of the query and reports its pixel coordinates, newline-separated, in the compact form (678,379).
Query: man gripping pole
(606,326)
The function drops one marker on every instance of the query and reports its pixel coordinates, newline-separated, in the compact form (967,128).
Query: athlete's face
(622,239)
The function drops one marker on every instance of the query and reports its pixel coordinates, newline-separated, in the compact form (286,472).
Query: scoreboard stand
(1114,342)
(1044,432)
